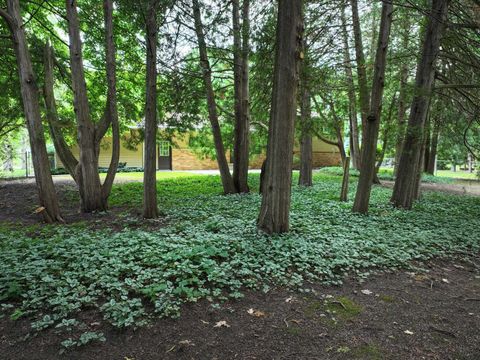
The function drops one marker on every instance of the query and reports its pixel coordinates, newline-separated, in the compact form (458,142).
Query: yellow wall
(184,158)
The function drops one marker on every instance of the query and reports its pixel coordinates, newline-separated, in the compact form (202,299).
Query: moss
(387,298)
(294,330)
(340,309)
(368,351)
(343,307)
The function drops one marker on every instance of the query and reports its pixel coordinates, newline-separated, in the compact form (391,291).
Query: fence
(18,165)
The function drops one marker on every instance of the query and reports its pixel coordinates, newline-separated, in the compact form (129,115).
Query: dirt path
(460,188)
(430,314)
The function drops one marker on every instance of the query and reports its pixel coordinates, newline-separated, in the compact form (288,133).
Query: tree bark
(242,113)
(306,150)
(227,180)
(48,201)
(61,147)
(362,197)
(88,177)
(352,105)
(345,180)
(361,67)
(111,109)
(150,207)
(433,148)
(274,211)
(403,192)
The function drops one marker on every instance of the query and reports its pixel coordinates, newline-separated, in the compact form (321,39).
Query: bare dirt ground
(433,313)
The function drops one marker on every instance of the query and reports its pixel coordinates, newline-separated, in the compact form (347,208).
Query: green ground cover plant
(210,249)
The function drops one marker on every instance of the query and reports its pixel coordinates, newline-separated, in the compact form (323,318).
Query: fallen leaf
(256,313)
(408,332)
(186,342)
(446,281)
(205,322)
(222,323)
(366,292)
(39,210)
(289,299)
(421,277)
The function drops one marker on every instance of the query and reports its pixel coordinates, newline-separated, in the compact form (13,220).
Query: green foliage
(211,249)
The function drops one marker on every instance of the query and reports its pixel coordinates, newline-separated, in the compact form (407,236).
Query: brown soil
(19,200)
(430,314)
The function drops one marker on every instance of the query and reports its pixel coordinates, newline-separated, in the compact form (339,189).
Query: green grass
(136,176)
(463,175)
(211,249)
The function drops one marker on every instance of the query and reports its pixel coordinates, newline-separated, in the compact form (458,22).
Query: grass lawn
(209,248)
(464,175)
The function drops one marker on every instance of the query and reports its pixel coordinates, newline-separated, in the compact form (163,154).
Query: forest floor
(433,313)
(394,285)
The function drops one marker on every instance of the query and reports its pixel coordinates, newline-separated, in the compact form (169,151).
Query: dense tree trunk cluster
(407,184)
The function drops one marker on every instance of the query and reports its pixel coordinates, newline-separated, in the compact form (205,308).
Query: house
(177,155)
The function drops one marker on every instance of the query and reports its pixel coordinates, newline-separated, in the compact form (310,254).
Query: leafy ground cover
(210,249)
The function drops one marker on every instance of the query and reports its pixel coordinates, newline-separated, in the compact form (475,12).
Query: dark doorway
(164,156)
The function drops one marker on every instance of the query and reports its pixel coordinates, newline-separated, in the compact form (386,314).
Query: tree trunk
(402,97)
(111,109)
(433,148)
(403,192)
(361,67)
(352,105)
(345,180)
(242,117)
(88,177)
(369,147)
(275,208)
(28,88)
(61,147)
(426,150)
(227,180)
(306,151)
(150,207)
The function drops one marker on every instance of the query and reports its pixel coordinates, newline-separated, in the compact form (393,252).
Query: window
(164,148)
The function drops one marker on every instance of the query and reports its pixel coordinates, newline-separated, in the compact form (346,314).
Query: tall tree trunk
(361,67)
(150,207)
(433,148)
(403,192)
(88,177)
(227,180)
(402,97)
(111,109)
(241,45)
(352,101)
(369,147)
(306,150)
(61,147)
(426,156)
(275,208)
(29,91)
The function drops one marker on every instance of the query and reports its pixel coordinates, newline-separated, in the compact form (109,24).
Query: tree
(241,50)
(352,110)
(29,91)
(150,207)
(93,196)
(227,180)
(274,211)
(407,182)
(369,146)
